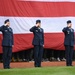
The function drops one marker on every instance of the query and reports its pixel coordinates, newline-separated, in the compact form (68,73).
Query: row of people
(28,56)
(38,43)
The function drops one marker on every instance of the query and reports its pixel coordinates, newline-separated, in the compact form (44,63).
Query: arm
(1,28)
(65,29)
(32,29)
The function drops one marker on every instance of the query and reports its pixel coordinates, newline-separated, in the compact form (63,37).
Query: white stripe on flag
(50,25)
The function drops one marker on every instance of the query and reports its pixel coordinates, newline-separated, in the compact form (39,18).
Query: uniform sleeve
(1,28)
(65,29)
(32,29)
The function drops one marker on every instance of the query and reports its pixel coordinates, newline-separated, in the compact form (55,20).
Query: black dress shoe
(36,66)
(9,68)
(69,65)
(5,68)
(39,66)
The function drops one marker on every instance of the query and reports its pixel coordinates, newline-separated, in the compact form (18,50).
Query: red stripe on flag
(36,9)
(24,41)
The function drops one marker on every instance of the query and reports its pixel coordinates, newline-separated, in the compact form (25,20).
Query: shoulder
(65,28)
(10,28)
(2,26)
(42,28)
(34,27)
(72,29)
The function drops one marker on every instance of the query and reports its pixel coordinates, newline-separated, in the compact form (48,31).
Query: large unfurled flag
(24,13)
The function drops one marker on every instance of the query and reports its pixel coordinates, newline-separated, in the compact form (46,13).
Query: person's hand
(5,24)
(69,25)
(37,25)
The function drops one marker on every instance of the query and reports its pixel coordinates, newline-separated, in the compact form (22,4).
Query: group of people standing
(38,42)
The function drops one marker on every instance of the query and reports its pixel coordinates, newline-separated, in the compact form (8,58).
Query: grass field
(39,71)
